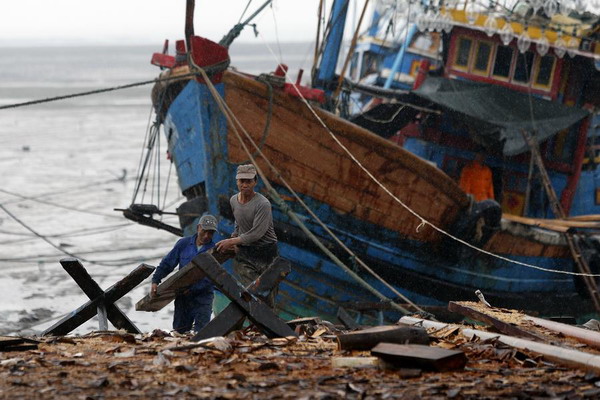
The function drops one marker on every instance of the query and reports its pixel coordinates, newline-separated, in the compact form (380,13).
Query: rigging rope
(44,238)
(58,205)
(80,94)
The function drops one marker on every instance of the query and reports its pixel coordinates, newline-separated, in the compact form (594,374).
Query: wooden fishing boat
(400,213)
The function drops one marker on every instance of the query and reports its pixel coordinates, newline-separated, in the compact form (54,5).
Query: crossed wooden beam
(101,302)
(245,302)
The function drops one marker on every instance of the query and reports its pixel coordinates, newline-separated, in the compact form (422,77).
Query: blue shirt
(184,251)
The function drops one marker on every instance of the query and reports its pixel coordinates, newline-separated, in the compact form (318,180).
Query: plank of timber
(501,326)
(420,356)
(233,314)
(366,339)
(257,311)
(170,288)
(19,347)
(92,290)
(303,321)
(7,342)
(177,283)
(346,319)
(89,309)
(589,337)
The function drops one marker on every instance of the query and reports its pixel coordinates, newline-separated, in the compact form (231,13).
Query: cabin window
(463,52)
(523,68)
(370,63)
(503,61)
(482,58)
(544,71)
(354,66)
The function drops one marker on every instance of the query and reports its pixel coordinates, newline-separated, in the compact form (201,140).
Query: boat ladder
(576,253)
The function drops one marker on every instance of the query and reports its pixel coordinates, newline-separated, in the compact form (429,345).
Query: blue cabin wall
(586,201)
(186,145)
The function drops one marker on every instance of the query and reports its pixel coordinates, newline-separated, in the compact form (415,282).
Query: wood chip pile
(245,365)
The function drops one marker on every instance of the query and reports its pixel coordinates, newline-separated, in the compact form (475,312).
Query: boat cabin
(490,91)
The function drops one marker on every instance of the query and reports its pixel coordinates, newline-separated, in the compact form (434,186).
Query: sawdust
(111,365)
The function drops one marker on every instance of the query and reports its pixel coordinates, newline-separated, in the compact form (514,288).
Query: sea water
(65,166)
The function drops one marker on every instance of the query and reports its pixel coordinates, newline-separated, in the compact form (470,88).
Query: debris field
(247,365)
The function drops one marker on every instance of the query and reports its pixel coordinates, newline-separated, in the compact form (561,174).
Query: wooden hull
(312,163)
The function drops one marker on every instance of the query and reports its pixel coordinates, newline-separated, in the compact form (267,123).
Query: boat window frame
(537,68)
(531,70)
(457,53)
(511,65)
(491,56)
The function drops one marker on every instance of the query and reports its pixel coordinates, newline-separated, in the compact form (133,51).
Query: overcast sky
(68,22)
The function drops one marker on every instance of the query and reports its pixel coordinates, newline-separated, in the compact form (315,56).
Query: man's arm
(166,266)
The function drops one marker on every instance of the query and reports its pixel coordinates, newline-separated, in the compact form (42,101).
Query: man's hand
(153,289)
(227,244)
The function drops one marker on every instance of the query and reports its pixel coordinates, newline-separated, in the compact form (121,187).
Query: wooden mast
(189,24)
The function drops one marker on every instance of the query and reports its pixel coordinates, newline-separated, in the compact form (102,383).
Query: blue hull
(428,275)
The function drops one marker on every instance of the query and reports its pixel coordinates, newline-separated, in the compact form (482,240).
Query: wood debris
(247,364)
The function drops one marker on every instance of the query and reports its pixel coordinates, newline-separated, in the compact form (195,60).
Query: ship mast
(189,23)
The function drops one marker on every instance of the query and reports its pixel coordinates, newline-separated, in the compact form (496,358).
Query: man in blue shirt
(195,304)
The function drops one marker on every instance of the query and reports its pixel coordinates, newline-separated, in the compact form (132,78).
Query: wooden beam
(560,355)
(591,338)
(366,339)
(170,288)
(503,327)
(256,310)
(176,284)
(233,314)
(346,319)
(84,313)
(92,290)
(419,356)
(12,343)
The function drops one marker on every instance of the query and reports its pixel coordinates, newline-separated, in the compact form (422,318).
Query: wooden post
(257,311)
(233,314)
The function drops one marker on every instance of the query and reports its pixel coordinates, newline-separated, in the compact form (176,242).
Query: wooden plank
(366,339)
(420,356)
(88,310)
(501,326)
(589,337)
(346,319)
(170,288)
(307,125)
(257,311)
(563,356)
(303,321)
(233,314)
(12,341)
(92,290)
(19,347)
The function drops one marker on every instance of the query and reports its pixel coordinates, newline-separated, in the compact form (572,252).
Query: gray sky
(71,22)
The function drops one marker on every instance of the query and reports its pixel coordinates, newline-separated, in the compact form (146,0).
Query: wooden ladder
(580,261)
